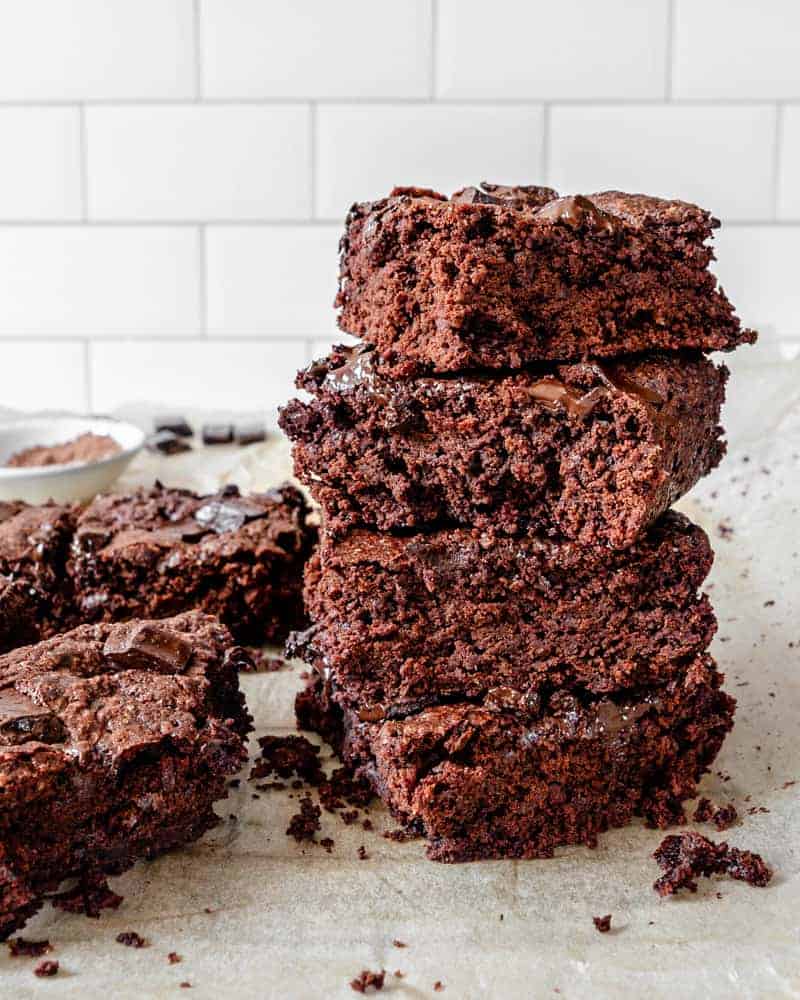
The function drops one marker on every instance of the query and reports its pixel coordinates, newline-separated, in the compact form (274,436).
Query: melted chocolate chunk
(22,720)
(148,646)
(577,211)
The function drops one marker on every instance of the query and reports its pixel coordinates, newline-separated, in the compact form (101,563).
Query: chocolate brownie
(161,551)
(115,741)
(34,542)
(482,780)
(497,277)
(590,451)
(409,621)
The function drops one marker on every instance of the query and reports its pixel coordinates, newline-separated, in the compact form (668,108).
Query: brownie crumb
(185,986)
(343,789)
(399,944)
(366,980)
(397,974)
(286,756)
(173,958)
(48,968)
(721,816)
(401,835)
(366,824)
(304,824)
(603,924)
(91,895)
(263,662)
(327,843)
(686,856)
(362,853)
(132,939)
(22,948)
(438,986)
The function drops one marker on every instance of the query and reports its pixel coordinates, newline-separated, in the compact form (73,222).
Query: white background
(174,174)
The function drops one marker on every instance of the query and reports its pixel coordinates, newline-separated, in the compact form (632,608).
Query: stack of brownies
(508,638)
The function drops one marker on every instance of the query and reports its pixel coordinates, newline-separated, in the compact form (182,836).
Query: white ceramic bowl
(63,483)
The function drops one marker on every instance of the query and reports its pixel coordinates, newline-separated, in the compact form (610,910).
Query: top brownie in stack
(497,277)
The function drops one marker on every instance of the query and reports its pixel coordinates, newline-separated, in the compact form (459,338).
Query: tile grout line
(198,52)
(361,101)
(777,153)
(84,155)
(670,54)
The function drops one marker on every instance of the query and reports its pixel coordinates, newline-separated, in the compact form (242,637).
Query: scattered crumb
(397,974)
(686,856)
(207,909)
(234,782)
(132,940)
(304,824)
(286,756)
(788,784)
(721,816)
(89,897)
(366,980)
(401,835)
(173,958)
(603,924)
(769,604)
(438,986)
(399,944)
(264,662)
(22,948)
(47,968)
(343,789)
(725,529)
(327,843)
(186,986)
(367,824)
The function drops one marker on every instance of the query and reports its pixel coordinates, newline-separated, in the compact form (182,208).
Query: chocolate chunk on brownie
(115,741)
(412,620)
(34,590)
(497,277)
(161,551)
(593,451)
(481,780)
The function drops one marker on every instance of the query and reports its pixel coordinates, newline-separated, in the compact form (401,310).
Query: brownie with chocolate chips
(115,741)
(484,780)
(593,451)
(36,598)
(414,620)
(161,551)
(497,277)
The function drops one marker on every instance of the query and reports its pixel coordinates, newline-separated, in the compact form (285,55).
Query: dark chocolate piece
(176,425)
(217,433)
(250,433)
(167,443)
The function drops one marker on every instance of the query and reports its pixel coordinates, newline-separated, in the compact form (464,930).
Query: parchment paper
(290,921)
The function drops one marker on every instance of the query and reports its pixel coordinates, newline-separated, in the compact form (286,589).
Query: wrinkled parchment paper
(253,914)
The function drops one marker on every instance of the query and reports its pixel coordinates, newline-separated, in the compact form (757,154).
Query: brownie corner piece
(160,551)
(120,737)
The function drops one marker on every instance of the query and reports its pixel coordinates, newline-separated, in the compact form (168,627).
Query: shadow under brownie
(479,780)
(591,451)
(408,621)
(115,741)
(498,277)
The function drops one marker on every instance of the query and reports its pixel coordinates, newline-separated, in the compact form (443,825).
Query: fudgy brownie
(409,621)
(115,741)
(481,780)
(161,551)
(496,277)
(34,542)
(590,451)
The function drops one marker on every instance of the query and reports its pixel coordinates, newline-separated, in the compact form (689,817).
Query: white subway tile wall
(175,173)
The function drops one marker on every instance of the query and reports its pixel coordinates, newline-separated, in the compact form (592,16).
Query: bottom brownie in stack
(492,780)
(115,741)
(505,696)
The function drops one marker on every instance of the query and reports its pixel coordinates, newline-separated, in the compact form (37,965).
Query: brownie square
(480,780)
(115,741)
(593,452)
(34,542)
(157,552)
(498,277)
(409,621)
